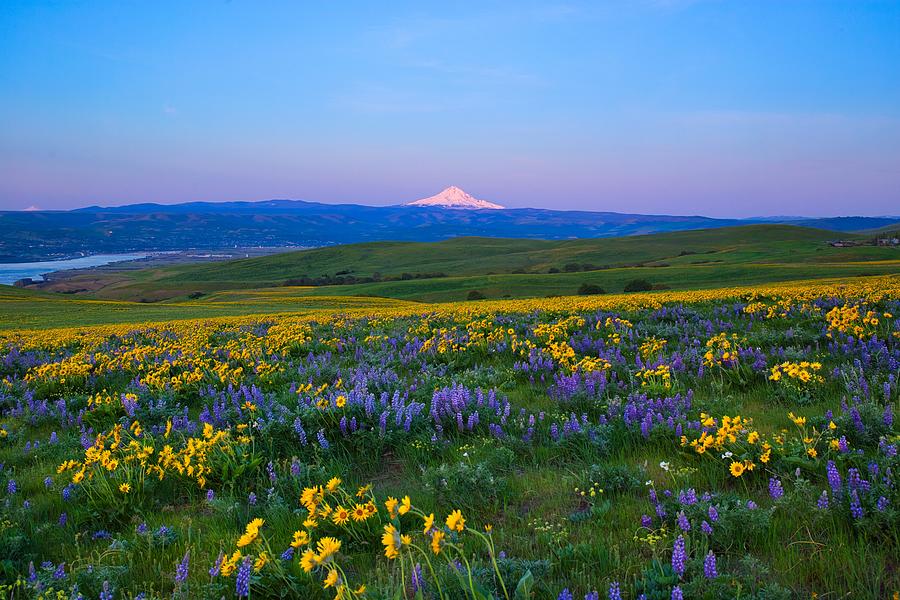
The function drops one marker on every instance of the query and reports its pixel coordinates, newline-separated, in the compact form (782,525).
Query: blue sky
(724,108)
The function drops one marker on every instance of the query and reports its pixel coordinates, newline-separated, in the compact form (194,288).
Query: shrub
(588,289)
(638,285)
(475,295)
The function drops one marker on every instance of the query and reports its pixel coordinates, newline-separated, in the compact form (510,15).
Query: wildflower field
(733,443)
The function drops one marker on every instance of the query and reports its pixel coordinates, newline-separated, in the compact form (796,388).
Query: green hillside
(525,267)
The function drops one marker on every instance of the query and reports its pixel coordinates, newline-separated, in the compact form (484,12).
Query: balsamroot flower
(455,521)
(247,537)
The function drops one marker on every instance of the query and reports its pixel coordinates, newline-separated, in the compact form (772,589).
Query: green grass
(21,309)
(513,267)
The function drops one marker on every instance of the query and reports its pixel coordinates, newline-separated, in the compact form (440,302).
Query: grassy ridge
(517,267)
(679,261)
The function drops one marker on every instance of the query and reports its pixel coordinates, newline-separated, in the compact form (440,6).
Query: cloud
(32,208)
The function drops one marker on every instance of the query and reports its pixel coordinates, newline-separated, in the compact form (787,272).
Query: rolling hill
(511,267)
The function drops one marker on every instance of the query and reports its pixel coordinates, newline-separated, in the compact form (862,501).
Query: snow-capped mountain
(453,197)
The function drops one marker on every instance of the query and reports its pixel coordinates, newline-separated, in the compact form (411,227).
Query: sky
(716,107)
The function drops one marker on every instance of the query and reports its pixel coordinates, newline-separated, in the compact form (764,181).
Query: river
(12,272)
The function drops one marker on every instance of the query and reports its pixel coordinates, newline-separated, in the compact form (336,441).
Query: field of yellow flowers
(718,444)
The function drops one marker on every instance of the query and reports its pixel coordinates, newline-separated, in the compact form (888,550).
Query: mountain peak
(454,197)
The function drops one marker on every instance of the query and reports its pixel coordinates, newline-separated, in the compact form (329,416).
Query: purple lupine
(857,419)
(751,505)
(823,500)
(298,429)
(595,595)
(48,482)
(614,592)
(677,594)
(210,495)
(683,522)
(242,579)
(882,504)
(415,577)
(63,517)
(843,446)
(856,508)
(775,489)
(679,556)
(834,477)
(713,513)
(181,572)
(251,499)
(709,566)
(106,593)
(60,572)
(322,441)
(706,528)
(687,498)
(646,521)
(565,595)
(11,487)
(217,566)
(288,554)
(888,416)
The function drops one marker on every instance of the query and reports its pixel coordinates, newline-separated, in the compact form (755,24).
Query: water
(12,272)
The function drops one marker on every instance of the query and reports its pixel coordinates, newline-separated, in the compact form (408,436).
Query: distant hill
(435,271)
(858,224)
(39,235)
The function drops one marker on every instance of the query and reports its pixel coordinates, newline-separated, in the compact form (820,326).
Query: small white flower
(649,482)
(727,455)
(664,466)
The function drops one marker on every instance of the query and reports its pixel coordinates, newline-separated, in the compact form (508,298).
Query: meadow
(716,444)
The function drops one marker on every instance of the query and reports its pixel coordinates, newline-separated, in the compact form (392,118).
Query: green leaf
(523,588)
